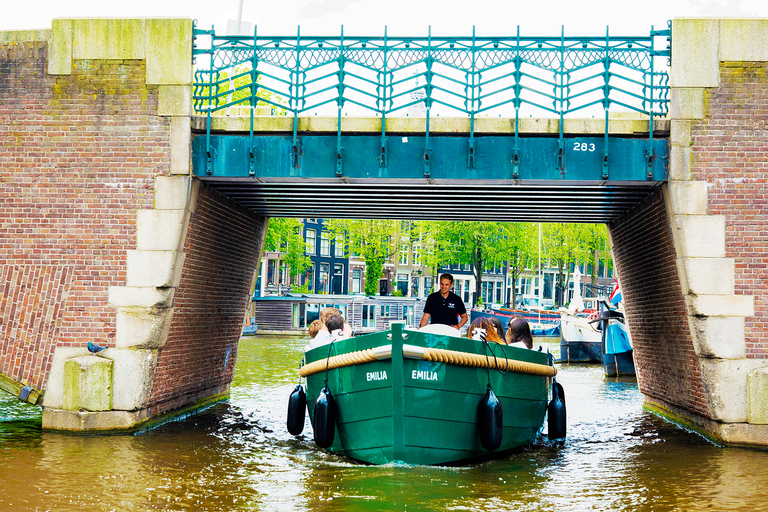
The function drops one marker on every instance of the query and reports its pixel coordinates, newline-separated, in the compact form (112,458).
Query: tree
(286,236)
(479,244)
(522,251)
(237,86)
(373,240)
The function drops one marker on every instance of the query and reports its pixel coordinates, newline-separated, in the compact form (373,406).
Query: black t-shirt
(444,310)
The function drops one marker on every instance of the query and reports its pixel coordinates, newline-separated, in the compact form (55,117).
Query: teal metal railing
(429,76)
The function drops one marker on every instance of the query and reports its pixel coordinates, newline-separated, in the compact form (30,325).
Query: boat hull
(546,326)
(579,341)
(425,412)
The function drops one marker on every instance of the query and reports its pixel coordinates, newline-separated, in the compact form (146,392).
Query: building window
(357,280)
(408,315)
(385,311)
(311,241)
(417,254)
(325,244)
(466,266)
(498,292)
(466,290)
(311,277)
(337,279)
(404,254)
(271,271)
(414,286)
(338,247)
(427,285)
(402,284)
(323,281)
(299,316)
(369,315)
(313,221)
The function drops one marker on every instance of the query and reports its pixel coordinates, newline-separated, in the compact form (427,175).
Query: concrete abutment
(150,264)
(698,319)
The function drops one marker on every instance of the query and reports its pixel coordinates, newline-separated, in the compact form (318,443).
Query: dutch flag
(615,297)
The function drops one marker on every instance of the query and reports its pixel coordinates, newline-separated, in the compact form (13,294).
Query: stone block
(720,337)
(169,51)
(25,35)
(695,44)
(154,268)
(54,387)
(60,49)
(174,100)
(680,132)
(725,383)
(689,197)
(701,236)
(710,276)
(81,421)
(134,373)
(721,305)
(145,328)
(108,39)
(181,145)
(88,383)
(679,162)
(743,40)
(687,103)
(140,297)
(160,230)
(171,192)
(757,384)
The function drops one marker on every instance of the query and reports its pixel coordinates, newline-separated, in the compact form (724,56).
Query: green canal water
(238,456)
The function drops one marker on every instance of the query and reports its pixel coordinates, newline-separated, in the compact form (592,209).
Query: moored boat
(541,323)
(414,396)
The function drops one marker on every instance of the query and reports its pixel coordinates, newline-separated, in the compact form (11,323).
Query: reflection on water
(238,456)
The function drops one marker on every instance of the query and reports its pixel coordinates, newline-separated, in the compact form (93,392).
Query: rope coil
(438,355)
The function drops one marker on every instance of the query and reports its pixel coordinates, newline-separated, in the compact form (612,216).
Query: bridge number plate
(583,146)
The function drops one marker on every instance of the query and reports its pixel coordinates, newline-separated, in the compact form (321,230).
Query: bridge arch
(149,280)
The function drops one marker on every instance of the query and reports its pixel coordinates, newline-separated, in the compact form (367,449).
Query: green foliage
(304,288)
(237,88)
(485,245)
(372,240)
(286,236)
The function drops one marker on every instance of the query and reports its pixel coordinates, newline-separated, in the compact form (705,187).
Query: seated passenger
(327,312)
(314,328)
(484,330)
(519,333)
(497,324)
(333,330)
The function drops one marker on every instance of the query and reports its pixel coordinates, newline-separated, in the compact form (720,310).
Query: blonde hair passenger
(483,329)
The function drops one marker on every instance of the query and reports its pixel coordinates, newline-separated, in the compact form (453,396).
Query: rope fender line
(348,359)
(437,355)
(480,361)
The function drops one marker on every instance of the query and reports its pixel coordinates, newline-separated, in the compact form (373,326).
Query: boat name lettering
(376,376)
(423,375)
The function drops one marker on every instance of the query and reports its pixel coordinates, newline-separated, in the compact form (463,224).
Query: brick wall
(665,360)
(729,152)
(78,157)
(222,253)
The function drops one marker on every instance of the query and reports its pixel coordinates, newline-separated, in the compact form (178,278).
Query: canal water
(238,456)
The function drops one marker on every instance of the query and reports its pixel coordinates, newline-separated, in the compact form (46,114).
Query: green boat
(413,397)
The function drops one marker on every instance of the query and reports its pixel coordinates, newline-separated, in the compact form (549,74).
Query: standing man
(444,307)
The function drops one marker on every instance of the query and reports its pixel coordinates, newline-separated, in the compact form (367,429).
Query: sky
(402,17)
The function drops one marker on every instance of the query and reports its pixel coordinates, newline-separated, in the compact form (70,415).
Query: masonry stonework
(104,235)
(665,360)
(78,157)
(715,199)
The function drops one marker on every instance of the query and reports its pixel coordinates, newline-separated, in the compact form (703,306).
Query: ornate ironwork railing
(428,76)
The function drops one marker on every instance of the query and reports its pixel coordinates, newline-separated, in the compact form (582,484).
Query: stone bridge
(110,236)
